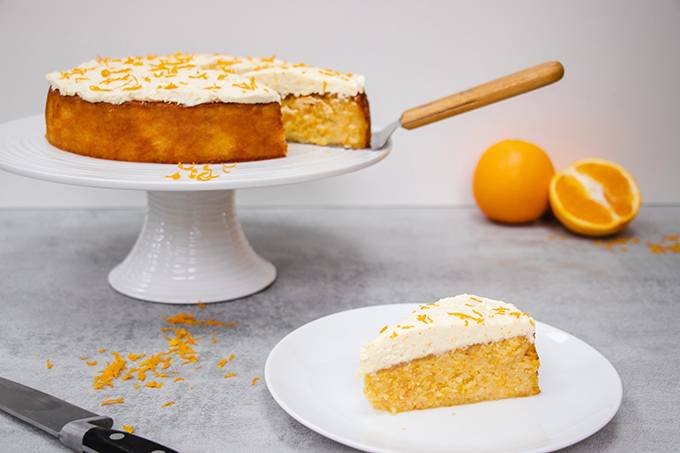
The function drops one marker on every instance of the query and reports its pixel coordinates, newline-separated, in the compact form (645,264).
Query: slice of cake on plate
(457,350)
(202,108)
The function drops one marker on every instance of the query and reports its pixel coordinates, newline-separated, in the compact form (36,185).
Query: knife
(76,428)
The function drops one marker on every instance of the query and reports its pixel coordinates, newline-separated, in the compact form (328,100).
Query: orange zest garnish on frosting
(214,86)
(97,88)
(394,335)
(464,317)
(424,319)
(170,86)
(383,329)
(246,86)
(107,72)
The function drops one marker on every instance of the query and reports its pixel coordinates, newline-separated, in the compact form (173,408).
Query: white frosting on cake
(441,326)
(198,79)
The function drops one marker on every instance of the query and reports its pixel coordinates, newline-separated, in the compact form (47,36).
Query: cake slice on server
(457,350)
(318,105)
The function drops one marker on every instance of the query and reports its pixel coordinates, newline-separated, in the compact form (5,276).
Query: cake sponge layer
(165,132)
(327,120)
(501,369)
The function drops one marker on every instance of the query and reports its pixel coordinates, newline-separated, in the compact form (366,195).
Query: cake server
(76,428)
(506,87)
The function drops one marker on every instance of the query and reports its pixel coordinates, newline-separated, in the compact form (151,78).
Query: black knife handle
(106,440)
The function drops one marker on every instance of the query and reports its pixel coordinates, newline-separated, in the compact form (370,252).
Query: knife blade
(76,428)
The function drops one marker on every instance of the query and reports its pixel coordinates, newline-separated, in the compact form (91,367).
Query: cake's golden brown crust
(163,132)
(502,369)
(326,119)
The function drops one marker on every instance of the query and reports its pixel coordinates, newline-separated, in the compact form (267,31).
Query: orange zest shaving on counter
(229,375)
(153,385)
(91,363)
(119,400)
(102,350)
(221,363)
(178,379)
(48,364)
(168,404)
(253,382)
(128,428)
(190,320)
(109,373)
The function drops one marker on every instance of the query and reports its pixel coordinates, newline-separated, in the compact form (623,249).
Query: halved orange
(594,197)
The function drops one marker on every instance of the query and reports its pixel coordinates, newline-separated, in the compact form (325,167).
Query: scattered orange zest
(109,402)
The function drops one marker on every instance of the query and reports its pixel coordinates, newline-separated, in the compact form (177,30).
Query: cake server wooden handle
(506,87)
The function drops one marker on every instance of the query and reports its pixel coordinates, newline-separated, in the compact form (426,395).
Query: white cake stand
(191,248)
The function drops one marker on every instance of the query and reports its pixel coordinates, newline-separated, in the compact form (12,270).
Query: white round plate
(24,150)
(311,373)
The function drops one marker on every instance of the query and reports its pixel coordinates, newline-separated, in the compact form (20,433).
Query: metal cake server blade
(496,90)
(76,428)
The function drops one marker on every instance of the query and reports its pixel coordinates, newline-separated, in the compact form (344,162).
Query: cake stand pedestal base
(191,249)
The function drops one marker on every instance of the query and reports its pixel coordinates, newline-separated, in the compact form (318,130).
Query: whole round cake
(202,108)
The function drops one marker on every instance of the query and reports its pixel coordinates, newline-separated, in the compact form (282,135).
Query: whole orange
(511,182)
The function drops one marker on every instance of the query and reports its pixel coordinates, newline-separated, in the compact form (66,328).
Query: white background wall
(620,98)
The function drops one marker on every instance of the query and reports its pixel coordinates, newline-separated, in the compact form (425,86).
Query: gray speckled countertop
(57,304)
